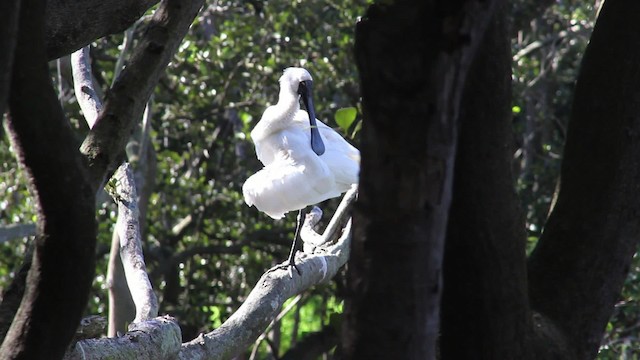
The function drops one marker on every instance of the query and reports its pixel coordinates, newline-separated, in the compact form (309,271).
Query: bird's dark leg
(292,254)
(291,263)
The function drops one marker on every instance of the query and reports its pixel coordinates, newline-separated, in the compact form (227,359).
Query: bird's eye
(302,87)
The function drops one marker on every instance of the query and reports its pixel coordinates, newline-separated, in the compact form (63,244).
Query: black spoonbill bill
(305,161)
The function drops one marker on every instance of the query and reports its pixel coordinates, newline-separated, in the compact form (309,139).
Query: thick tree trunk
(412,57)
(9,11)
(62,268)
(485,313)
(578,268)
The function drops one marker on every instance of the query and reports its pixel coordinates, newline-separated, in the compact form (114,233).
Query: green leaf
(345,117)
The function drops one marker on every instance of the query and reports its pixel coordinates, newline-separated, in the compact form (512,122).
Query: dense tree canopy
(205,249)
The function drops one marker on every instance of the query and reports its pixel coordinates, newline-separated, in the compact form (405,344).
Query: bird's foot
(289,266)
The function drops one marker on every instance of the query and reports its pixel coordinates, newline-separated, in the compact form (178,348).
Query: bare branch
(127,225)
(128,229)
(313,239)
(121,307)
(273,289)
(126,100)
(88,99)
(156,339)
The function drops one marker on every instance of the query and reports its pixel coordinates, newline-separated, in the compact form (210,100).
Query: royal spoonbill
(305,161)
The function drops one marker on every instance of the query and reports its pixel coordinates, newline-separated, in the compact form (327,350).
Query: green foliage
(546,57)
(345,118)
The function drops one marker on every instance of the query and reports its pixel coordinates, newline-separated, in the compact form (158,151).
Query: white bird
(305,161)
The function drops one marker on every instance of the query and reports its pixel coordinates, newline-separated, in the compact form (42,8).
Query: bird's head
(299,81)
(293,76)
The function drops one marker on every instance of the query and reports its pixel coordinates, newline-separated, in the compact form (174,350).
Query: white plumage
(294,175)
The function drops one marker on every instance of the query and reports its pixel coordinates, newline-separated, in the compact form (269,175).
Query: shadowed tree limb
(62,267)
(125,101)
(68,27)
(9,13)
(32,127)
(578,268)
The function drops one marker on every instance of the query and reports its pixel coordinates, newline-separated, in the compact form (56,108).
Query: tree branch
(9,13)
(125,101)
(61,273)
(127,225)
(128,229)
(156,339)
(263,303)
(68,27)
(86,94)
(578,268)
(91,327)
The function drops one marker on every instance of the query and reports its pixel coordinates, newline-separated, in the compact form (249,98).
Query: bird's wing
(293,178)
(342,158)
(287,185)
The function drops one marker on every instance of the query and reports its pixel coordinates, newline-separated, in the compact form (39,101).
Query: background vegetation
(204,247)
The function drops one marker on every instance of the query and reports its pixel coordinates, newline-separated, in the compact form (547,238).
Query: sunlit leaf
(345,117)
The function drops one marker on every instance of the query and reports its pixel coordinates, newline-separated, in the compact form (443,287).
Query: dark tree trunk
(9,10)
(485,312)
(578,268)
(63,181)
(62,268)
(412,57)
(68,27)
